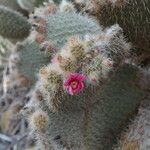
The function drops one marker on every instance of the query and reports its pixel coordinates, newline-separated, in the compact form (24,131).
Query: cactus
(29,5)
(10,4)
(132,16)
(13,25)
(13,4)
(31,59)
(22,5)
(77,103)
(71,24)
(132,137)
(52,31)
(78,107)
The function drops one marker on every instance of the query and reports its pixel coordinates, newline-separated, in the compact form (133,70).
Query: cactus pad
(13,25)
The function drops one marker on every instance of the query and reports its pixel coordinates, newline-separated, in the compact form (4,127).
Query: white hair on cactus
(66,6)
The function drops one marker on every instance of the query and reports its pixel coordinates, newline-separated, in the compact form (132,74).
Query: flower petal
(74,77)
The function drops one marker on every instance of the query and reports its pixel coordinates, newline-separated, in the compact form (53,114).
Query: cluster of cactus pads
(71,105)
(47,36)
(83,93)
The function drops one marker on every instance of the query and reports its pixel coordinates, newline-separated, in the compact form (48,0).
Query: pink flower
(74,83)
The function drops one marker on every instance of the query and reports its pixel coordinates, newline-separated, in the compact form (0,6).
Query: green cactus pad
(11,4)
(31,60)
(13,25)
(95,117)
(62,25)
(133,17)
